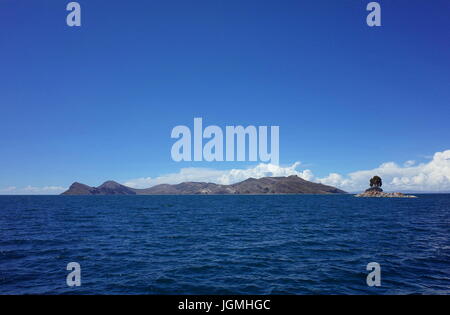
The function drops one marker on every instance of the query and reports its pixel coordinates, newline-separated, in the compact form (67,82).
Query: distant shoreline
(251,186)
(345,194)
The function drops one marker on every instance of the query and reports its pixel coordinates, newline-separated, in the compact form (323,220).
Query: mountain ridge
(251,186)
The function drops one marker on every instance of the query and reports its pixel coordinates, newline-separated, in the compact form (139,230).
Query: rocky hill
(266,185)
(107,188)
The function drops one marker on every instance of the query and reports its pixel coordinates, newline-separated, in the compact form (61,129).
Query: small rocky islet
(375,191)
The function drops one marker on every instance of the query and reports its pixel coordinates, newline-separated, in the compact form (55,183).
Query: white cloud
(31,190)
(433,176)
(225,177)
(264,170)
(427,177)
(8,189)
(409,163)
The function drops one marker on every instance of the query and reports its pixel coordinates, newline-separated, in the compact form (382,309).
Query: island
(375,190)
(252,186)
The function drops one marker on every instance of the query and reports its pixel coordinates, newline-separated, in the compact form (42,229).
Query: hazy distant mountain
(267,185)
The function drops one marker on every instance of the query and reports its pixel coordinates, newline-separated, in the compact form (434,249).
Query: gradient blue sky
(99,102)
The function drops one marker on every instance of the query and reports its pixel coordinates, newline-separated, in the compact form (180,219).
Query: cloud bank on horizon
(32,190)
(433,176)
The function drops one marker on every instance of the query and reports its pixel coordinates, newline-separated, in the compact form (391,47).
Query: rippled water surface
(303,244)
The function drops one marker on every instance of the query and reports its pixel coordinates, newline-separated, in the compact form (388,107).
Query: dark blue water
(224,244)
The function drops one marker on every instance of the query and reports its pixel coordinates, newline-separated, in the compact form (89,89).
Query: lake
(283,244)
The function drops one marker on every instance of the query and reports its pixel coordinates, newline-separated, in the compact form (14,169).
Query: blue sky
(99,102)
